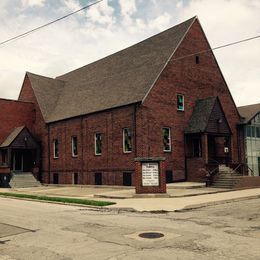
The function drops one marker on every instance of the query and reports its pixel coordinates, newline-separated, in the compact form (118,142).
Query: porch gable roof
(208,117)
(21,136)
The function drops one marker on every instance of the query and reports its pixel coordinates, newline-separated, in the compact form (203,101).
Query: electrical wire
(47,24)
(218,47)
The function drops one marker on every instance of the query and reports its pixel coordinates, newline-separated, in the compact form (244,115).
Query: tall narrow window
(166,139)
(55,148)
(74,146)
(127,140)
(98,144)
(180,102)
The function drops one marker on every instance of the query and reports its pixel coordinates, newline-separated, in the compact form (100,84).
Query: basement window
(98,144)
(55,148)
(166,139)
(74,146)
(180,102)
(127,140)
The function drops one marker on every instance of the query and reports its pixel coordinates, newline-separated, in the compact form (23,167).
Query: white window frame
(95,141)
(123,131)
(170,139)
(178,94)
(54,145)
(72,150)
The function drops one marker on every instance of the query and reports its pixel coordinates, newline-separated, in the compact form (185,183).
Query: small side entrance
(127,179)
(98,178)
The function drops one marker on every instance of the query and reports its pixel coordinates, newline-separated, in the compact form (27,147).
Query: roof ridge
(42,76)
(125,49)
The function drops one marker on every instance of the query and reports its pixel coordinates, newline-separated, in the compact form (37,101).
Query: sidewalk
(181,196)
(173,204)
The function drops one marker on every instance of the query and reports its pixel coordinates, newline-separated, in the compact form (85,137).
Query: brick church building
(149,100)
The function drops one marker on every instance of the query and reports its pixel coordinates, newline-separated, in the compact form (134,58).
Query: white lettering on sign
(150,174)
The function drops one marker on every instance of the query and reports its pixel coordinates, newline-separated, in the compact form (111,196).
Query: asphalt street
(34,230)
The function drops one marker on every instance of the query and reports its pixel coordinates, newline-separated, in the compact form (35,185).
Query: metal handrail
(243,164)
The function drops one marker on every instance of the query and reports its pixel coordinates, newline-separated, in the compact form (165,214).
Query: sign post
(150,175)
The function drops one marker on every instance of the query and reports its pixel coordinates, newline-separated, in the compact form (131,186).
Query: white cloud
(28,3)
(161,22)
(102,14)
(128,7)
(73,5)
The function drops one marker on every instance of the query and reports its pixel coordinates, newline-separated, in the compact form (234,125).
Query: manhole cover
(151,235)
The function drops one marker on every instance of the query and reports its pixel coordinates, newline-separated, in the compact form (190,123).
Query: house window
(166,139)
(127,140)
(98,144)
(55,148)
(180,102)
(74,146)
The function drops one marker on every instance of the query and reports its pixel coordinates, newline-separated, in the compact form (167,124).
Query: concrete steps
(227,178)
(24,180)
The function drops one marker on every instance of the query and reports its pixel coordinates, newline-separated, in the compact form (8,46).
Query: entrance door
(127,179)
(211,148)
(98,178)
(18,161)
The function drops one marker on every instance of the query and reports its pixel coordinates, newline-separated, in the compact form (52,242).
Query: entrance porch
(19,153)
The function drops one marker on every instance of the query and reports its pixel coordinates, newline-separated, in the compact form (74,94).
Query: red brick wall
(14,114)
(39,128)
(112,162)
(195,81)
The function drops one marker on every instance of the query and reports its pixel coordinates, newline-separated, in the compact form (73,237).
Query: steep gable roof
(248,112)
(120,79)
(47,92)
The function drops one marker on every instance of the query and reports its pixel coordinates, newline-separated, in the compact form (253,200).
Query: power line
(218,47)
(49,23)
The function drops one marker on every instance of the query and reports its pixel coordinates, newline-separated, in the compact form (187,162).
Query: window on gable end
(180,102)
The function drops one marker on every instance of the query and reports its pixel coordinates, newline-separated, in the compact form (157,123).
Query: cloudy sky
(115,24)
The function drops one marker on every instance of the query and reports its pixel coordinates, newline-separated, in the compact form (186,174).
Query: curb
(213,203)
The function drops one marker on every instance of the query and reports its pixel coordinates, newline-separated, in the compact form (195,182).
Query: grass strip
(58,199)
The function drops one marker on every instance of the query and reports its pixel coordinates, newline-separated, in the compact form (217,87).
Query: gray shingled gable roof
(11,137)
(123,78)
(47,92)
(200,115)
(249,111)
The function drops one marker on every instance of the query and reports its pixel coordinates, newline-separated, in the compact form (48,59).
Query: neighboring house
(251,122)
(148,100)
